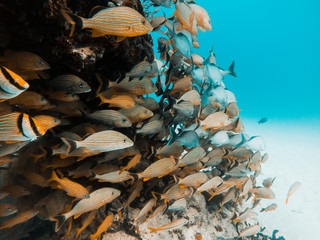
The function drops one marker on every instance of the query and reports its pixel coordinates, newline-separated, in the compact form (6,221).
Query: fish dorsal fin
(95,10)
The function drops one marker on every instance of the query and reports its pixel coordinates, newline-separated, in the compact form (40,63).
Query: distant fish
(271,207)
(164,3)
(7,209)
(250,231)
(69,83)
(23,60)
(150,128)
(178,205)
(137,114)
(186,16)
(294,187)
(170,226)
(11,84)
(262,120)
(215,121)
(86,222)
(19,127)
(17,219)
(139,71)
(268,182)
(144,211)
(120,101)
(103,227)
(113,177)
(72,188)
(35,178)
(96,200)
(189,139)
(117,21)
(193,180)
(3,194)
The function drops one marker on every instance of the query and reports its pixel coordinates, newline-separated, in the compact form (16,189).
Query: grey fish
(69,83)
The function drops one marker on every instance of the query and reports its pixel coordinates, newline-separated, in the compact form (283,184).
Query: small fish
(72,188)
(214,182)
(19,127)
(215,120)
(7,209)
(244,215)
(294,187)
(164,3)
(193,180)
(114,177)
(96,200)
(86,222)
(11,84)
(268,182)
(150,103)
(135,192)
(182,85)
(29,100)
(117,21)
(182,41)
(216,74)
(139,71)
(185,108)
(186,17)
(196,60)
(57,162)
(266,193)
(189,139)
(230,195)
(35,178)
(103,141)
(202,17)
(170,226)
(250,231)
(103,227)
(137,114)
(4,160)
(131,164)
(15,191)
(150,128)
(144,211)
(176,192)
(271,207)
(220,138)
(20,218)
(178,205)
(240,153)
(262,120)
(47,122)
(158,169)
(265,158)
(232,110)
(62,96)
(255,143)
(110,117)
(192,157)
(191,96)
(69,83)
(24,60)
(120,101)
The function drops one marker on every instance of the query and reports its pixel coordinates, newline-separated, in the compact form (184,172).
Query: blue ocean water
(275,45)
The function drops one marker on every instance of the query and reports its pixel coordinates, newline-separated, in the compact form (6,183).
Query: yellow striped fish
(120,101)
(103,141)
(150,128)
(72,188)
(11,84)
(170,226)
(18,127)
(110,117)
(176,192)
(139,71)
(86,222)
(117,21)
(96,200)
(114,177)
(20,218)
(158,169)
(137,114)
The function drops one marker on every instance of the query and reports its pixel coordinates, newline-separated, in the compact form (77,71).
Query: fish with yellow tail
(103,227)
(215,120)
(202,17)
(170,226)
(20,218)
(186,17)
(117,21)
(132,163)
(72,188)
(294,187)
(11,84)
(158,169)
(96,200)
(104,141)
(16,127)
(250,231)
(86,222)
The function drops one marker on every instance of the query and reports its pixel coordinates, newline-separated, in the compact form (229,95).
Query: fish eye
(9,209)
(41,99)
(85,195)
(123,120)
(40,62)
(81,85)
(135,103)
(33,213)
(55,120)
(143,21)
(124,140)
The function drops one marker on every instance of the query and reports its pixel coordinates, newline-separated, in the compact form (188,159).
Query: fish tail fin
(75,21)
(243,141)
(173,136)
(78,231)
(60,220)
(72,145)
(104,83)
(154,194)
(93,236)
(287,200)
(176,179)
(152,229)
(103,99)
(54,177)
(231,70)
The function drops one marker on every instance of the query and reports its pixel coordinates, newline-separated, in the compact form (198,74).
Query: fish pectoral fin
(146,179)
(58,186)
(97,33)
(179,28)
(76,216)
(120,38)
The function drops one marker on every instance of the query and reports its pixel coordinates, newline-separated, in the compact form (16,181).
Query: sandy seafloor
(294,155)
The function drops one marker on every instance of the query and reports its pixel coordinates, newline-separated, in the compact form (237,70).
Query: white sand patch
(294,155)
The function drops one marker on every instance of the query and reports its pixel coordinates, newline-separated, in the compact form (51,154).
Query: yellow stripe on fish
(19,127)
(103,227)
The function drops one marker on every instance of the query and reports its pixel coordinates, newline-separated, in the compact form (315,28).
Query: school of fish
(69,160)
